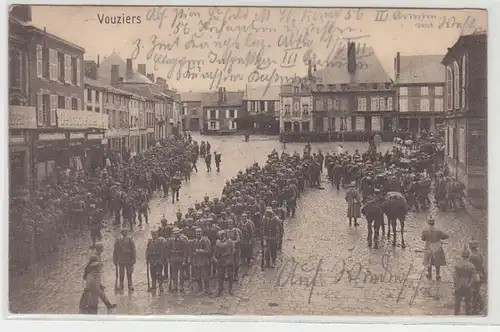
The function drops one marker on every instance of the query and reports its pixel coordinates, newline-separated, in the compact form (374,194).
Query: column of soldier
(218,236)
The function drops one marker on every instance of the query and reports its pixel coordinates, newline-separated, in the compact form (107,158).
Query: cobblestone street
(318,270)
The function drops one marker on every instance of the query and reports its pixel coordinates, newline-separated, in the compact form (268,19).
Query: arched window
(456,85)
(449,89)
(464,80)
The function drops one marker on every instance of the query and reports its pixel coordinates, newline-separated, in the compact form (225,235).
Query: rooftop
(104,71)
(421,69)
(263,93)
(191,96)
(234,98)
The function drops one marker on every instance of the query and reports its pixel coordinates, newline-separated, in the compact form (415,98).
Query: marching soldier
(271,233)
(143,209)
(176,186)
(464,276)
(96,225)
(177,251)
(224,258)
(200,260)
(124,255)
(208,162)
(217,157)
(154,258)
(247,228)
(234,233)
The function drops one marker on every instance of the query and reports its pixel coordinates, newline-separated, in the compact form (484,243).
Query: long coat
(353,199)
(433,251)
(91,293)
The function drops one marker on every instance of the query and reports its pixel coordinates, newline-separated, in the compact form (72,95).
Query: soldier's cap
(269,210)
(473,244)
(189,219)
(221,232)
(198,229)
(176,230)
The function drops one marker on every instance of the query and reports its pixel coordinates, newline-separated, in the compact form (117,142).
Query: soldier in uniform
(143,208)
(124,255)
(189,232)
(155,252)
(201,253)
(176,186)
(234,233)
(96,226)
(217,158)
(465,275)
(224,258)
(247,228)
(208,162)
(478,261)
(270,235)
(177,251)
(434,253)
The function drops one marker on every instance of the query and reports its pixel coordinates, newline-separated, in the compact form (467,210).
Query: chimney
(97,60)
(141,68)
(397,64)
(221,95)
(351,57)
(90,69)
(151,77)
(115,74)
(309,68)
(129,67)
(224,95)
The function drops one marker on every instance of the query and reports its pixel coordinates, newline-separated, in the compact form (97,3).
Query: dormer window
(319,87)
(331,87)
(343,87)
(381,86)
(295,89)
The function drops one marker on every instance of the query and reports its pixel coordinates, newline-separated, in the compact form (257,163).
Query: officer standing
(155,252)
(270,234)
(177,251)
(224,258)
(464,276)
(176,186)
(217,158)
(124,255)
(200,260)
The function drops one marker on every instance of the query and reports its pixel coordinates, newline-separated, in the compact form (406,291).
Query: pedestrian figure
(464,277)
(176,186)
(224,258)
(217,157)
(96,225)
(433,252)
(353,199)
(155,252)
(124,255)
(208,162)
(201,260)
(478,261)
(177,251)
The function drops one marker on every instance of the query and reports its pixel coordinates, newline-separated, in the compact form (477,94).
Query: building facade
(466,102)
(221,111)
(262,106)
(419,84)
(192,111)
(295,108)
(63,132)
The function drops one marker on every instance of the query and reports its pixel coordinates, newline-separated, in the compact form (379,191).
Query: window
(374,104)
(305,126)
(89,96)
(53,110)
(97,109)
(389,104)
(213,125)
(252,106)
(344,104)
(305,109)
(262,106)
(361,104)
(438,105)
(438,90)
(424,91)
(97,93)
(336,104)
(464,80)
(424,105)
(89,108)
(319,104)
(194,112)
(213,115)
(449,89)
(288,126)
(296,109)
(39,61)
(46,63)
(231,113)
(295,89)
(331,87)
(61,102)
(270,107)
(287,109)
(319,87)
(53,60)
(403,105)
(74,71)
(456,85)
(74,104)
(325,104)
(382,104)
(15,68)
(67,68)
(403,91)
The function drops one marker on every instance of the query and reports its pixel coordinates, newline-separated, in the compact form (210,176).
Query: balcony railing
(71,119)
(22,117)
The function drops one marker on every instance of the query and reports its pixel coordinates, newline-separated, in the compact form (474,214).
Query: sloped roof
(103,85)
(263,93)
(371,72)
(421,69)
(191,96)
(234,98)
(104,71)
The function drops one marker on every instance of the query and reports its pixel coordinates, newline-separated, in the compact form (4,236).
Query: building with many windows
(466,102)
(262,107)
(221,111)
(419,84)
(47,116)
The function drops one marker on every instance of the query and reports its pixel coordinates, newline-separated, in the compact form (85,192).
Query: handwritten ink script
(314,274)
(220,46)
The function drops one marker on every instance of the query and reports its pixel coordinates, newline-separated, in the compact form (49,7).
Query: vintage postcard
(247,161)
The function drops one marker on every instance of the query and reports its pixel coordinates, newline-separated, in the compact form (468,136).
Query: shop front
(94,151)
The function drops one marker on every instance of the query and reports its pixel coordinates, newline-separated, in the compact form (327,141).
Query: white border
(73,323)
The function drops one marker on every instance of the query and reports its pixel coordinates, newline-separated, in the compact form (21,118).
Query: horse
(395,208)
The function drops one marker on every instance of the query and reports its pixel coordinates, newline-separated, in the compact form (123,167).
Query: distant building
(262,108)
(192,111)
(419,84)
(221,110)
(466,102)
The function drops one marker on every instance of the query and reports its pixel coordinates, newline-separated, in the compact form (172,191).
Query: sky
(203,48)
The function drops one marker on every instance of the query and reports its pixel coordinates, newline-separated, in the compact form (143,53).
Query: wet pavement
(326,267)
